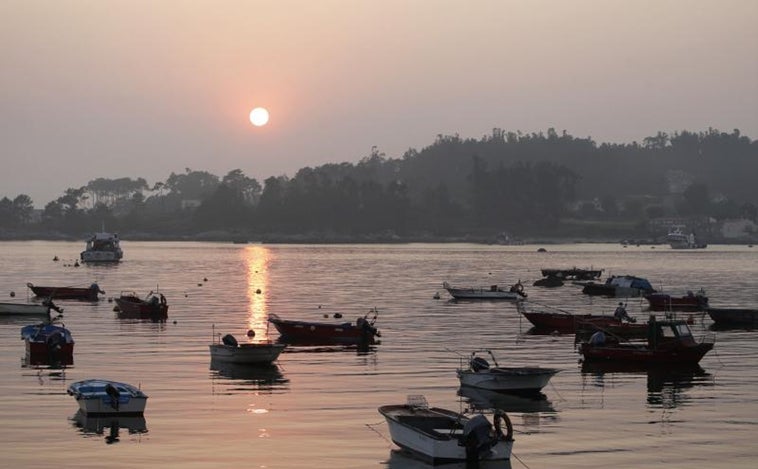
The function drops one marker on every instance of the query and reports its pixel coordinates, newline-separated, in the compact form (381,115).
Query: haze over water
(318,407)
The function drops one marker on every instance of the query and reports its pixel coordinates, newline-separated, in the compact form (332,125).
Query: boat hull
(323,333)
(664,302)
(643,355)
(482,294)
(512,380)
(567,323)
(246,354)
(24,309)
(734,316)
(66,293)
(435,447)
(100,256)
(41,354)
(93,398)
(131,307)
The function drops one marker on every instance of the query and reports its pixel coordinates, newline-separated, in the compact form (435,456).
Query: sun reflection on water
(257,259)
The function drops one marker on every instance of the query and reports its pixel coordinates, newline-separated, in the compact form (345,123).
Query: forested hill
(526,184)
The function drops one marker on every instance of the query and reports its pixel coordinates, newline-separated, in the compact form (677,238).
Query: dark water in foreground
(317,409)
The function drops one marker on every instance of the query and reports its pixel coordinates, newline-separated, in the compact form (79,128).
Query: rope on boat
(371,426)
(519,459)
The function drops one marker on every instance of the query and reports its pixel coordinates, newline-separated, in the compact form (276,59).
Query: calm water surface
(317,408)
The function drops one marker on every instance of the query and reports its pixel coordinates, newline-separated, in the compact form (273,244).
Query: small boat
(555,319)
(619,286)
(669,343)
(678,239)
(689,302)
(131,306)
(362,332)
(734,316)
(573,273)
(67,293)
(493,292)
(101,397)
(102,247)
(440,436)
(48,344)
(517,380)
(28,309)
(252,353)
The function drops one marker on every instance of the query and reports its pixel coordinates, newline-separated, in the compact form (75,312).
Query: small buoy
(174,321)
(13,294)
(337,315)
(110,300)
(326,315)
(319,306)
(185,295)
(258,291)
(437,296)
(251,333)
(76,263)
(205,279)
(199,284)
(541,250)
(55,259)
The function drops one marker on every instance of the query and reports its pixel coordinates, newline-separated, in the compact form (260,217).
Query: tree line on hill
(523,184)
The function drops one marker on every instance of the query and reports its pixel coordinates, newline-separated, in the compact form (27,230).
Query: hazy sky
(134,88)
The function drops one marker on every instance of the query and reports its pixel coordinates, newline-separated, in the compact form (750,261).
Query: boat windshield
(683,330)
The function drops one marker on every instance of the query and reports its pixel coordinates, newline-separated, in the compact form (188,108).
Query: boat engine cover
(479,364)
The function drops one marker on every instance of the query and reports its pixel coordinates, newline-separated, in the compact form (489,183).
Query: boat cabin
(661,333)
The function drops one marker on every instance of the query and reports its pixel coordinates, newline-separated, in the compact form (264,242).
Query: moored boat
(101,397)
(688,302)
(102,247)
(67,293)
(734,316)
(552,319)
(518,380)
(229,350)
(310,332)
(493,292)
(28,309)
(619,286)
(573,273)
(678,239)
(48,345)
(669,343)
(441,436)
(153,307)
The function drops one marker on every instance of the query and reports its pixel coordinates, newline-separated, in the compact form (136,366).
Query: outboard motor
(229,340)
(113,393)
(479,364)
(476,437)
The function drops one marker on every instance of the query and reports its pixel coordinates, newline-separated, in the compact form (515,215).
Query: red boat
(67,293)
(669,342)
(48,345)
(689,302)
(153,307)
(360,332)
(563,321)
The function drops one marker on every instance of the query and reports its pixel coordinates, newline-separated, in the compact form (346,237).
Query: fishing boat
(229,350)
(440,436)
(619,286)
(734,316)
(28,309)
(688,302)
(309,332)
(153,306)
(669,342)
(101,397)
(493,292)
(550,319)
(573,273)
(518,380)
(678,239)
(48,344)
(102,247)
(67,293)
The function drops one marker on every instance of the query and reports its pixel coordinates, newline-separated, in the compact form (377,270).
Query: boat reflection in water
(304,346)
(96,425)
(400,459)
(484,399)
(241,378)
(664,386)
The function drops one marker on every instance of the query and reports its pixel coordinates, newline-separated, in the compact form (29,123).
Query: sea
(317,407)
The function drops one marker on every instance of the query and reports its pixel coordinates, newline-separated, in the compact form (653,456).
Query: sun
(259,116)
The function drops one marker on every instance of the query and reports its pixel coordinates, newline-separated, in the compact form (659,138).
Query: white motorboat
(493,292)
(444,436)
(523,379)
(678,239)
(26,309)
(102,247)
(101,397)
(253,353)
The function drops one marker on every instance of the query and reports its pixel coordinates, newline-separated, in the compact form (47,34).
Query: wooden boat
(689,302)
(67,293)
(554,319)
(153,307)
(493,292)
(669,343)
(734,316)
(518,380)
(309,332)
(104,397)
(441,436)
(619,286)
(102,247)
(252,353)
(48,345)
